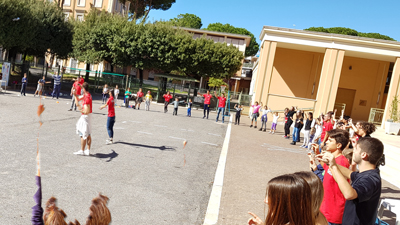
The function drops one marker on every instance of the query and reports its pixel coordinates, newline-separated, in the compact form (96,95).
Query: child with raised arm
(264,118)
(239,109)
(148,98)
(189,110)
(139,98)
(274,122)
(111,117)
(176,104)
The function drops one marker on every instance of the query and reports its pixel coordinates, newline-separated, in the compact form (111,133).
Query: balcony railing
(248,65)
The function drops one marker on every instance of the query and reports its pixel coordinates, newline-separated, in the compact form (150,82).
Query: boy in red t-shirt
(326,126)
(221,105)
(333,204)
(207,101)
(167,97)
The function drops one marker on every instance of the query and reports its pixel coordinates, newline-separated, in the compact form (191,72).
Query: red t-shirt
(77,88)
(167,97)
(333,204)
(111,109)
(221,102)
(139,94)
(87,100)
(82,81)
(327,126)
(207,98)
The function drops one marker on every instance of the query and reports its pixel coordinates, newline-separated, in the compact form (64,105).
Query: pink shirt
(256,108)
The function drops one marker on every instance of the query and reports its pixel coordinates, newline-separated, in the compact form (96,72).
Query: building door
(345,96)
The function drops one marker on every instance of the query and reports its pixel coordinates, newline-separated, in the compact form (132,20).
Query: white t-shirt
(275,119)
(116,92)
(265,111)
(318,130)
(105,90)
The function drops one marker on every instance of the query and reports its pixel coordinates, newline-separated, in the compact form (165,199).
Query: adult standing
(326,126)
(76,88)
(116,93)
(289,121)
(139,98)
(207,102)
(167,97)
(57,85)
(84,124)
(221,105)
(24,82)
(111,117)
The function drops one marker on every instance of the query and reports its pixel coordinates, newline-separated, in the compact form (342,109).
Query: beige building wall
(366,78)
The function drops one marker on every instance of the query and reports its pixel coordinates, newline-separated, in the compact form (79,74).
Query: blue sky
(364,16)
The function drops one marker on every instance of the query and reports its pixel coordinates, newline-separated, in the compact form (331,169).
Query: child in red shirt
(139,98)
(111,117)
(333,204)
(167,97)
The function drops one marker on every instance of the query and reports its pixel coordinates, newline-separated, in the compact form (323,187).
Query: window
(67,2)
(81,3)
(66,15)
(79,16)
(98,3)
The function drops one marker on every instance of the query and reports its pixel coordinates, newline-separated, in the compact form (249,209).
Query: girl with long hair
(317,195)
(289,202)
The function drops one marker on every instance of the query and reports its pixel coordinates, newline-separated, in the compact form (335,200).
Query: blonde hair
(99,213)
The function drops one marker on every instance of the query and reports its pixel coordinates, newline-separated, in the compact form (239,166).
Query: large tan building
(78,8)
(321,71)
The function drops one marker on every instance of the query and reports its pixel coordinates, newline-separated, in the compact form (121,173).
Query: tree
(348,31)
(215,82)
(187,20)
(141,8)
(253,47)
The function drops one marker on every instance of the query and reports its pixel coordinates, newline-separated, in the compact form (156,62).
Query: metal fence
(376,116)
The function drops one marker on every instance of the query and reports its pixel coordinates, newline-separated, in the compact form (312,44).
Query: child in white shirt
(274,122)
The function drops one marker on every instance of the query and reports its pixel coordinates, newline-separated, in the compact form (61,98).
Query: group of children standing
(258,109)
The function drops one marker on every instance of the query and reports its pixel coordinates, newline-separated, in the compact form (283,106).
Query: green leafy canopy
(348,31)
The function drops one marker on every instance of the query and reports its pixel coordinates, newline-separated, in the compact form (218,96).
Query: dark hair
(289,201)
(373,147)
(85,86)
(369,128)
(340,136)
(346,118)
(112,93)
(339,124)
(311,114)
(317,189)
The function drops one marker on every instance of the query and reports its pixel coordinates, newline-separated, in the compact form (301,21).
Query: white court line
(134,121)
(209,143)
(215,134)
(143,132)
(119,128)
(215,197)
(177,138)
(123,121)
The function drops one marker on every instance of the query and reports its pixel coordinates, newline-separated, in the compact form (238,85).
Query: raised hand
(255,220)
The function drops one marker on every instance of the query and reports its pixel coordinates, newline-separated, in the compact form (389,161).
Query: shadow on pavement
(111,155)
(162,148)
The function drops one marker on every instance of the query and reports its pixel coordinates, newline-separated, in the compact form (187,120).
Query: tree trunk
(87,73)
(140,77)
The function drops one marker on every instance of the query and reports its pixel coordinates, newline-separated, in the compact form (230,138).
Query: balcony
(248,65)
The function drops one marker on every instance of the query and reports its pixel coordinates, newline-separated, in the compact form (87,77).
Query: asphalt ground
(147,174)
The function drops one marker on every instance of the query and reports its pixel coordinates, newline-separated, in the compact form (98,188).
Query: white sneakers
(109,141)
(80,152)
